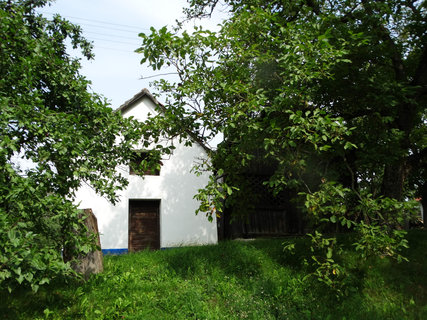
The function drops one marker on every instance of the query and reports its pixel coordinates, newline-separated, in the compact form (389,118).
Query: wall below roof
(174,187)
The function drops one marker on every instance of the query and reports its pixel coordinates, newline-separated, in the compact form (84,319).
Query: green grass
(233,280)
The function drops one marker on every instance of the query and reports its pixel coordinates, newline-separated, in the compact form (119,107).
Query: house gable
(173,189)
(143,105)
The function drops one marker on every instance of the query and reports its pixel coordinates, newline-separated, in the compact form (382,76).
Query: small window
(145,163)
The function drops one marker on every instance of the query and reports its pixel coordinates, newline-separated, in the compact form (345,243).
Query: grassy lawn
(233,280)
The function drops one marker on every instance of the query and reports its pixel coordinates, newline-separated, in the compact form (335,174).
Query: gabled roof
(145,93)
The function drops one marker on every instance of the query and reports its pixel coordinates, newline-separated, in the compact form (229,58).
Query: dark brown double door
(144,225)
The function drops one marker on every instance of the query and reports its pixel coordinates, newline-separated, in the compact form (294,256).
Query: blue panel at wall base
(114,251)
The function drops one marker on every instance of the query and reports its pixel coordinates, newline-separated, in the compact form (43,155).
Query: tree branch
(420,76)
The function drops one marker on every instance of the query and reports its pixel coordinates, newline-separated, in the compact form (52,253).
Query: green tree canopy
(55,135)
(363,62)
(333,92)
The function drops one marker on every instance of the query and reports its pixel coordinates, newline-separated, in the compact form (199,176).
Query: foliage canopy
(55,135)
(332,92)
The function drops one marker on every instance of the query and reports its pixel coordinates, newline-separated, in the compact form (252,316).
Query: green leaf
(329,253)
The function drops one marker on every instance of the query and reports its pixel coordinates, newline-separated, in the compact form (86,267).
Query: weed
(233,280)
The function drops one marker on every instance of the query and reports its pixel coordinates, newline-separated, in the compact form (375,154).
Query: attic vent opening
(145,163)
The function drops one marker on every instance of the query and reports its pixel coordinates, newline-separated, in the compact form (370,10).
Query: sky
(113,26)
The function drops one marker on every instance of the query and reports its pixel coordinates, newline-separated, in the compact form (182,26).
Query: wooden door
(144,225)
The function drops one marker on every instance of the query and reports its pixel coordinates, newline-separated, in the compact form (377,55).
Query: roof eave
(145,93)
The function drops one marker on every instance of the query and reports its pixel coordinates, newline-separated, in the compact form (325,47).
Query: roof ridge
(147,93)
(136,97)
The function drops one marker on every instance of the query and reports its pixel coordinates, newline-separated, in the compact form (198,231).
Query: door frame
(159,225)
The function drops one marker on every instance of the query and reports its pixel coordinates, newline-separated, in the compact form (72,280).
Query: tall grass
(233,280)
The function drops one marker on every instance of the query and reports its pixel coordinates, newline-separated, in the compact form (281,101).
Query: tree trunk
(93,261)
(394,179)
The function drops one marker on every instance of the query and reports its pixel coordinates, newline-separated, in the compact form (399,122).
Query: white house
(158,210)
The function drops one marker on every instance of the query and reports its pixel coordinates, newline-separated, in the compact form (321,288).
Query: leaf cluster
(55,135)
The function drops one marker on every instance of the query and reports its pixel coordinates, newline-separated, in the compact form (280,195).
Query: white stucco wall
(174,187)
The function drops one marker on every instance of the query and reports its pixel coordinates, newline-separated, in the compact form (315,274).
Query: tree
(55,135)
(333,92)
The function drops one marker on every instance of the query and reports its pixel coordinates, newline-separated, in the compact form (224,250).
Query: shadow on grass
(231,276)
(23,300)
(230,258)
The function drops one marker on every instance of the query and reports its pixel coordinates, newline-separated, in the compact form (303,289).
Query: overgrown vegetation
(55,135)
(234,280)
(331,94)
